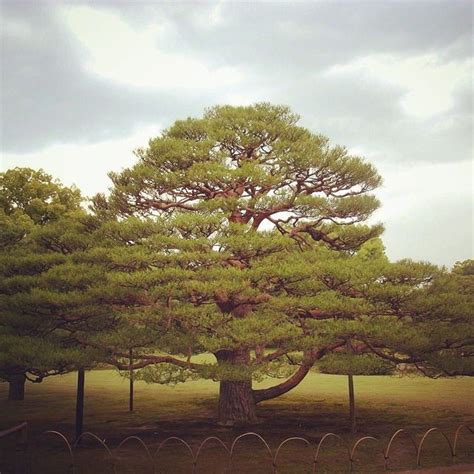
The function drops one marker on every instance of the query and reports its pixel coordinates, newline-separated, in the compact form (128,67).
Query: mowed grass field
(317,406)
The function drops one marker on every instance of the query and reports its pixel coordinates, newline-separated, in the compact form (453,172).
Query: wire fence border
(350,450)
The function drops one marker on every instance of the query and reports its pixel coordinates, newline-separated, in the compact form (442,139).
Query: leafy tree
(443,314)
(72,296)
(417,315)
(220,227)
(35,195)
(44,297)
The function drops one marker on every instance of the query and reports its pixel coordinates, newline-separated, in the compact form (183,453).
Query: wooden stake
(130,402)
(80,403)
(352,404)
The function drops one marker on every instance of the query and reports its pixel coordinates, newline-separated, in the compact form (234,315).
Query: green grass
(318,405)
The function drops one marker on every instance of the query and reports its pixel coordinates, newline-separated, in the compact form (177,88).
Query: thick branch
(286,386)
(146,360)
(271,356)
(296,378)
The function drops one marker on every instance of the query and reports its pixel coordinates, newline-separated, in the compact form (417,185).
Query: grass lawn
(318,405)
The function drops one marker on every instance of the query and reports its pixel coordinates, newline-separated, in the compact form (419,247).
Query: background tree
(35,195)
(79,309)
(28,199)
(443,314)
(424,318)
(215,223)
(45,296)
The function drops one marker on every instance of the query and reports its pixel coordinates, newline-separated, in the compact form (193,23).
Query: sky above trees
(83,84)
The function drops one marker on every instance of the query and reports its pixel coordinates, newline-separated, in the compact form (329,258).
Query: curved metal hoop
(250,433)
(181,440)
(201,446)
(456,437)
(72,466)
(93,436)
(142,443)
(432,430)
(102,442)
(287,440)
(210,438)
(389,445)
(359,441)
(318,449)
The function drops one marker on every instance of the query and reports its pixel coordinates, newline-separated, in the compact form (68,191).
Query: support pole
(130,402)
(352,404)
(80,403)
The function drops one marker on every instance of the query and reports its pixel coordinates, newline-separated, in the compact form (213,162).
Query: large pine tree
(221,219)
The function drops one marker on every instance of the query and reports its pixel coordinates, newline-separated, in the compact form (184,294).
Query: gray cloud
(284,52)
(48,96)
(301,33)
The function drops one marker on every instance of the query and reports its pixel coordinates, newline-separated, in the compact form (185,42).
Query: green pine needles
(236,247)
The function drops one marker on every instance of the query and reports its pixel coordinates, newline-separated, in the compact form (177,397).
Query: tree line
(239,234)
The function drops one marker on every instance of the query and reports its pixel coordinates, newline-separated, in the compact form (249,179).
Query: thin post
(80,403)
(130,402)
(352,404)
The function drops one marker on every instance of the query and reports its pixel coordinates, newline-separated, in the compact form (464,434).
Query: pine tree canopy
(243,233)
(256,167)
(240,234)
(45,295)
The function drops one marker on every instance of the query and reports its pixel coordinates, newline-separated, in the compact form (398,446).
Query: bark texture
(236,400)
(236,403)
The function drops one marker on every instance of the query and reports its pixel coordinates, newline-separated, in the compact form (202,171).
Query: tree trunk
(16,387)
(236,403)
(236,400)
(352,404)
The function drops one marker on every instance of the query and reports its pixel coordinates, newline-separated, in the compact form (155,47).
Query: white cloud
(135,57)
(427,82)
(15,28)
(240,99)
(404,185)
(86,166)
(427,211)
(210,16)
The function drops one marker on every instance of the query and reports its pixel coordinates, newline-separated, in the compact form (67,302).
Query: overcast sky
(85,83)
